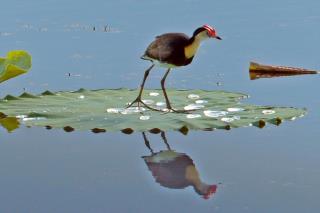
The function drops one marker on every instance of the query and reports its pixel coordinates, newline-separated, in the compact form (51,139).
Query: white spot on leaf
(214,114)
(160,104)
(193,96)
(154,94)
(227,120)
(21,116)
(193,106)
(114,110)
(231,119)
(201,101)
(235,109)
(166,110)
(268,112)
(147,101)
(144,117)
(132,110)
(190,116)
(34,119)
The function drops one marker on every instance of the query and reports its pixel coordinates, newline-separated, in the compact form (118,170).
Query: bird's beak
(217,37)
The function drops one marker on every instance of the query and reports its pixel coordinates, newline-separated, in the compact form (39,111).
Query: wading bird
(172,50)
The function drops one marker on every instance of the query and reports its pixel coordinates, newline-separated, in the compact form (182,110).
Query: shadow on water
(175,170)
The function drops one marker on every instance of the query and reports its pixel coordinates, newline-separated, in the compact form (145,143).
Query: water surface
(99,43)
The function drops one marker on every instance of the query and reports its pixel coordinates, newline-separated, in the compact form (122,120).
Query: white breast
(159,63)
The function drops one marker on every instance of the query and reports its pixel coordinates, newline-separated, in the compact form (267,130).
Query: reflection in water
(9,123)
(170,169)
(254,75)
(175,170)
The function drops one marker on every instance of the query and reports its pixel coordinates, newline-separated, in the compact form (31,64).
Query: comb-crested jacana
(172,50)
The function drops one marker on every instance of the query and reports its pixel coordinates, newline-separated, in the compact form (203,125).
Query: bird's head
(206,31)
(205,190)
(211,190)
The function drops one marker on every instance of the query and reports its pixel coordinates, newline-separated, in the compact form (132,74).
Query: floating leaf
(257,71)
(105,110)
(16,63)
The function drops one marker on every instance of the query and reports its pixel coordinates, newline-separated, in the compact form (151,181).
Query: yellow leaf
(16,63)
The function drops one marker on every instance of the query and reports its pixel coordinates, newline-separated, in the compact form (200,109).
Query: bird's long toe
(138,102)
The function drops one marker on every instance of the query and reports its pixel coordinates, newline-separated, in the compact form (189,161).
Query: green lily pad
(16,63)
(104,110)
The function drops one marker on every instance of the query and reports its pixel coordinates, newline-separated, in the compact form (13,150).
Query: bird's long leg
(138,99)
(169,107)
(146,142)
(146,73)
(164,138)
(164,89)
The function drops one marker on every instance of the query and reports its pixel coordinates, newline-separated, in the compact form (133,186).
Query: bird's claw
(138,101)
(169,109)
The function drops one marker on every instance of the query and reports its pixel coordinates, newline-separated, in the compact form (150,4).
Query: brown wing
(168,48)
(172,173)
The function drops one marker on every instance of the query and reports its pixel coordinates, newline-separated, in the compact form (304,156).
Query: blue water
(274,169)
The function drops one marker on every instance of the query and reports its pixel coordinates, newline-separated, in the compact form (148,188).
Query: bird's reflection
(175,170)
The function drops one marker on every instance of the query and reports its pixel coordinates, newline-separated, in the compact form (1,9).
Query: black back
(169,48)
(197,31)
